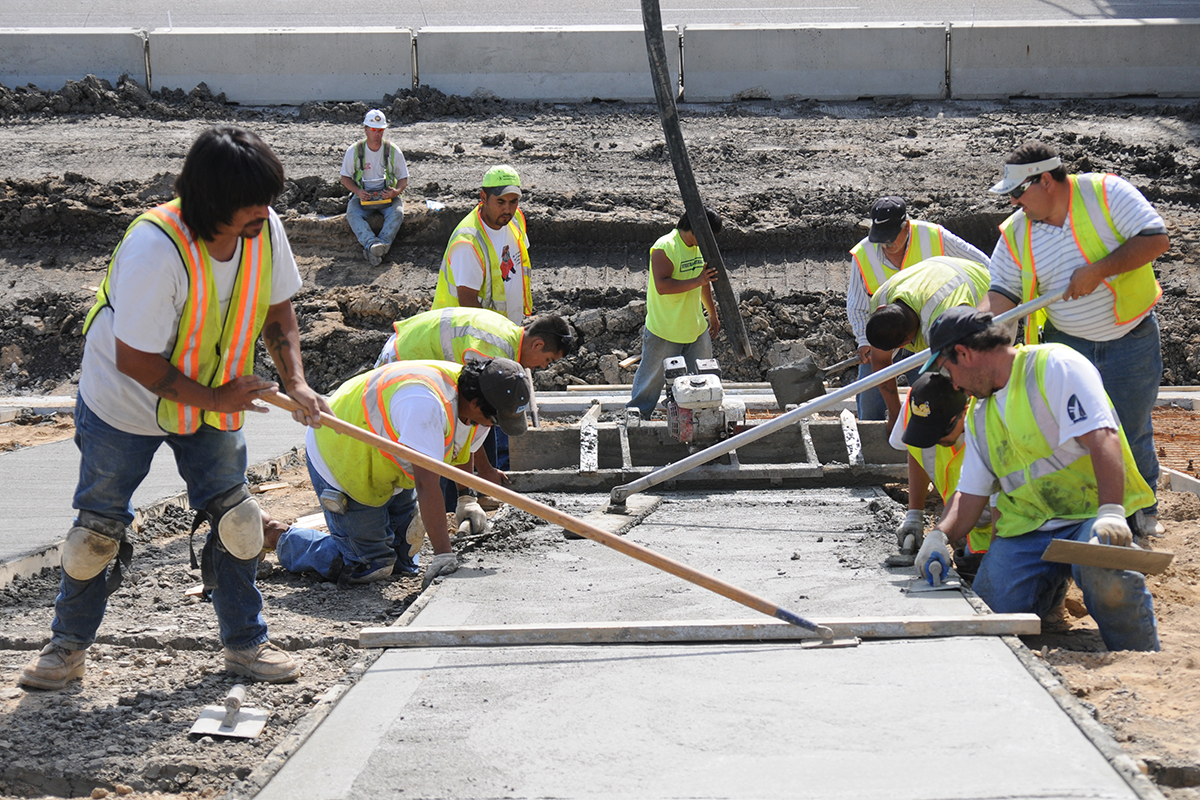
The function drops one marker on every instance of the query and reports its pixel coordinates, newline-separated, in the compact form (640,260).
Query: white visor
(1016,174)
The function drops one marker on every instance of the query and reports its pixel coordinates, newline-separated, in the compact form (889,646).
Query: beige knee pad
(86,553)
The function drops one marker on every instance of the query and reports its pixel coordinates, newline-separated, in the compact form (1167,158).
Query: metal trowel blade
(248,723)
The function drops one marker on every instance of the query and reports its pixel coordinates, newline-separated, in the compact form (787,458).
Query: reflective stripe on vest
(389,163)
(1134,293)
(1038,480)
(492,294)
(456,335)
(209,350)
(874,266)
(932,287)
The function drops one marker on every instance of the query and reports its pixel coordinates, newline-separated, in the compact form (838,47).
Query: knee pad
(237,521)
(87,552)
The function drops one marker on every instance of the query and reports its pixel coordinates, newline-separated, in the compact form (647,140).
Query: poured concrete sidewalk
(928,718)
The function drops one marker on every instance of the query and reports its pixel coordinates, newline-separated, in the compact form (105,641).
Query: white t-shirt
(468,272)
(1076,397)
(147,289)
(1057,256)
(374,172)
(419,419)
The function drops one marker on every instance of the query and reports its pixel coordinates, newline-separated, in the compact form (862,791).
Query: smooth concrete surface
(39,483)
(820,62)
(1089,58)
(284,67)
(567,64)
(938,718)
(49,57)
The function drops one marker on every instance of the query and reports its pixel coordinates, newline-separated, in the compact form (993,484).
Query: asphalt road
(418,13)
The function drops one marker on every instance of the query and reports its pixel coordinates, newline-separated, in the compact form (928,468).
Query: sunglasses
(1024,187)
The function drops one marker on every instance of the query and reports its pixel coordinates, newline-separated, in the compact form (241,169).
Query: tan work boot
(53,668)
(265,662)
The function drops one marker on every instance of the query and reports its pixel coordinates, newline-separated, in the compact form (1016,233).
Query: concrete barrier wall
(568,64)
(1107,58)
(49,57)
(821,62)
(284,67)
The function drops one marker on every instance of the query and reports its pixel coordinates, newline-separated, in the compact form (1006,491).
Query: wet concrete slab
(932,718)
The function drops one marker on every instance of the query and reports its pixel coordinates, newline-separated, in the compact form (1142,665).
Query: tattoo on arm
(165,386)
(279,347)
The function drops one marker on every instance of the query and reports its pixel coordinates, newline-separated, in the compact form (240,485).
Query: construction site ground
(793,182)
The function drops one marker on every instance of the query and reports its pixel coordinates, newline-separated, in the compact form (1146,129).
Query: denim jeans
(365,536)
(112,465)
(1131,368)
(393,216)
(648,382)
(1014,580)
(870,402)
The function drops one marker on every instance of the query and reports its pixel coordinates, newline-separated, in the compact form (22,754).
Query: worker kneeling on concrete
(436,408)
(931,429)
(1043,434)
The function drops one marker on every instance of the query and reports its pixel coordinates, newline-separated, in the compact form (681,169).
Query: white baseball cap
(1016,174)
(375,119)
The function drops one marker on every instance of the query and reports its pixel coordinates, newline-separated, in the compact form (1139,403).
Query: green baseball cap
(502,179)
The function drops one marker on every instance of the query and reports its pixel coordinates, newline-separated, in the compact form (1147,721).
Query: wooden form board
(661,632)
(1085,554)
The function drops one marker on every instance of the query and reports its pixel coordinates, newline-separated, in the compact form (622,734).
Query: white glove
(933,559)
(442,564)
(914,526)
(415,534)
(468,508)
(1111,527)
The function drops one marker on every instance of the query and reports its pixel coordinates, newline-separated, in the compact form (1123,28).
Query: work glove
(469,509)
(913,526)
(933,559)
(1111,527)
(415,535)
(442,564)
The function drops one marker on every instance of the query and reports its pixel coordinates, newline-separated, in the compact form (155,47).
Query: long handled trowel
(231,719)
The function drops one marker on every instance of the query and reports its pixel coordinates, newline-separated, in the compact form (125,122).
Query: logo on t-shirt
(506,263)
(1075,409)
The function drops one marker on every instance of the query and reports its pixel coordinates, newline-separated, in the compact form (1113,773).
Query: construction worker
(893,243)
(906,305)
(170,358)
(369,497)
(931,430)
(486,264)
(1043,434)
(678,292)
(1095,237)
(375,173)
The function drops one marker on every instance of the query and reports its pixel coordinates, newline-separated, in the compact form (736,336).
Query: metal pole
(619,494)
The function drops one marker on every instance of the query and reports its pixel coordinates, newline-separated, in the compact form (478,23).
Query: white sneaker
(379,249)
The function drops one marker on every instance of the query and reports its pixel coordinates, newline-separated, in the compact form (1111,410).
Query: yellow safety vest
(367,474)
(924,241)
(492,293)
(209,350)
(1038,479)
(389,163)
(676,317)
(456,335)
(931,287)
(1134,292)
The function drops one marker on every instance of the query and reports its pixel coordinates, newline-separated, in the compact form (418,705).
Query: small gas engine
(697,412)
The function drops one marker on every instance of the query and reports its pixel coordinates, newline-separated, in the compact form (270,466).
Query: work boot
(369,573)
(378,248)
(264,662)
(53,668)
(372,259)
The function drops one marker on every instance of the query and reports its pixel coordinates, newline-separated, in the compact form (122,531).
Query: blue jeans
(364,537)
(870,402)
(648,382)
(1131,368)
(112,465)
(1014,580)
(393,216)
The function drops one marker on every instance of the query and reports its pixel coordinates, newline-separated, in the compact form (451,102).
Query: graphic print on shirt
(506,263)
(690,265)
(1075,409)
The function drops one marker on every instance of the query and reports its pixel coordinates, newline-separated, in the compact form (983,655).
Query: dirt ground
(793,181)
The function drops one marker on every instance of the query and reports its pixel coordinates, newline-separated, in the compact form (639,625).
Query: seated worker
(894,243)
(369,497)
(1043,433)
(906,305)
(931,429)
(375,172)
(678,291)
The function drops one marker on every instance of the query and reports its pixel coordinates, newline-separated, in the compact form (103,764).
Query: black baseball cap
(933,405)
(954,325)
(506,387)
(887,217)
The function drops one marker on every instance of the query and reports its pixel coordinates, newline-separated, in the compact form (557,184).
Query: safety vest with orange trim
(1096,235)
(492,293)
(924,241)
(209,350)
